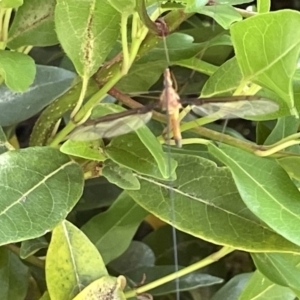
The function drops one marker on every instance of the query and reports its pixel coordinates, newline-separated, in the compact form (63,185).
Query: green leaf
(208,193)
(125,149)
(260,288)
(189,248)
(112,231)
(233,288)
(14,276)
(198,65)
(281,268)
(263,129)
(263,6)
(142,254)
(265,188)
(33,25)
(106,287)
(193,6)
(224,15)
(49,83)
(283,128)
(220,82)
(186,283)
(39,188)
(88,150)
(45,296)
(94,187)
(123,6)
(72,262)
(165,164)
(87,30)
(147,70)
(120,176)
(30,247)
(130,152)
(291,166)
(17,69)
(260,56)
(11,3)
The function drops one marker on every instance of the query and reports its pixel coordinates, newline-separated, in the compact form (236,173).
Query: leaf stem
(85,81)
(276,149)
(125,63)
(6,21)
(288,138)
(86,108)
(205,262)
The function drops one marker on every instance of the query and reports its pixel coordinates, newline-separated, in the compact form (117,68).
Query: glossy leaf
(150,149)
(260,288)
(263,6)
(224,15)
(39,188)
(17,69)
(291,166)
(95,29)
(120,176)
(45,296)
(128,151)
(123,6)
(112,231)
(30,247)
(14,276)
(208,193)
(281,268)
(106,287)
(284,127)
(49,83)
(136,256)
(88,150)
(233,288)
(11,3)
(189,248)
(72,262)
(97,193)
(259,55)
(147,70)
(33,25)
(220,82)
(265,188)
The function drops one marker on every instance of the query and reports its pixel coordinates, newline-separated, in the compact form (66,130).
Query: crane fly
(130,120)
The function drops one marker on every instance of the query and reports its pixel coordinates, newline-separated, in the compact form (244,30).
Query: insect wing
(237,109)
(110,128)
